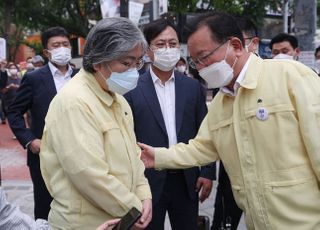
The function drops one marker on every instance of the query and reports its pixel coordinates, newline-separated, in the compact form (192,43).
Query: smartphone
(128,220)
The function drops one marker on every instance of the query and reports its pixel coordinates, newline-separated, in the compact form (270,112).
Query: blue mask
(122,83)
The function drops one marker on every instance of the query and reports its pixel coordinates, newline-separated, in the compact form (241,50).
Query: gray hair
(110,39)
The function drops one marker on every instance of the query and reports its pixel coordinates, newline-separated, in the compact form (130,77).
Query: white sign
(110,8)
(307,58)
(163,6)
(3,49)
(135,11)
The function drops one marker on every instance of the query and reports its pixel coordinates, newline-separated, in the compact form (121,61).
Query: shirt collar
(54,70)
(238,82)
(156,79)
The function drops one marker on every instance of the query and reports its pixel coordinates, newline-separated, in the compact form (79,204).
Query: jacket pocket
(293,198)
(272,109)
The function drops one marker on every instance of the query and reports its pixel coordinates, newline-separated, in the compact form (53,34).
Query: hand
(35,146)
(147,155)
(205,185)
(106,225)
(146,216)
(10,86)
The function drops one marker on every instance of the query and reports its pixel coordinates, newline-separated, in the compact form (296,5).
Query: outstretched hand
(147,155)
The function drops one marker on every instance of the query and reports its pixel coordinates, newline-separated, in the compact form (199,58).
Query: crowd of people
(121,133)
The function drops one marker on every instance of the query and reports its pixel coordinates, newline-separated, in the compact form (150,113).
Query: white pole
(285,14)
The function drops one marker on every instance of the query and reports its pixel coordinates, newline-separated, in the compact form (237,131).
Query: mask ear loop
(247,46)
(101,75)
(225,56)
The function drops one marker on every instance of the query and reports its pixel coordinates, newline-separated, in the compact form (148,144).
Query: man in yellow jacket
(264,125)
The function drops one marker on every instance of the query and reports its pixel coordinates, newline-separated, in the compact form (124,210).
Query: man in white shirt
(168,108)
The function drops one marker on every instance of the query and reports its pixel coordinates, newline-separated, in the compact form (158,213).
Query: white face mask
(283,56)
(181,68)
(30,66)
(218,74)
(122,83)
(60,56)
(166,59)
(13,72)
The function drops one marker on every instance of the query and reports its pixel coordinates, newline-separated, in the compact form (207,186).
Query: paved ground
(17,183)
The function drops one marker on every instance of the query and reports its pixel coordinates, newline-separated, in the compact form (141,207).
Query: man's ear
(46,53)
(255,43)
(237,45)
(150,54)
(297,51)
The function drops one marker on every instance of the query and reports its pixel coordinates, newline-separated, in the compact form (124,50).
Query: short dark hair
(222,25)
(153,29)
(247,26)
(53,32)
(317,50)
(283,37)
(183,60)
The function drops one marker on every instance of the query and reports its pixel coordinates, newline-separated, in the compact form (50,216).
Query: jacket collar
(106,97)
(250,80)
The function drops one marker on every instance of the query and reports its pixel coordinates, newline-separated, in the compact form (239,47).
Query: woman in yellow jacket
(264,125)
(89,158)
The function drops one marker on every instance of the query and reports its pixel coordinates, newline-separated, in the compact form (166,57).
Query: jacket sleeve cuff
(144,192)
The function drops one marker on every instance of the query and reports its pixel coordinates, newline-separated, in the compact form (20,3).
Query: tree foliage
(254,9)
(19,17)
(73,15)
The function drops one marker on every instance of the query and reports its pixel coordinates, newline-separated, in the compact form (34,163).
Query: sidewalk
(15,174)
(18,186)
(13,158)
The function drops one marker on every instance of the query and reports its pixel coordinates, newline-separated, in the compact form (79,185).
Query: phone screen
(128,220)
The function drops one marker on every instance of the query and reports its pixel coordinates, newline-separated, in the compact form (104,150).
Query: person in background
(263,125)
(9,92)
(35,94)
(37,61)
(3,83)
(30,66)
(317,60)
(181,66)
(168,108)
(226,211)
(285,46)
(89,157)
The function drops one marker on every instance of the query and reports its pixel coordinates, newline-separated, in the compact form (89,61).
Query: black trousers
(182,211)
(42,198)
(225,208)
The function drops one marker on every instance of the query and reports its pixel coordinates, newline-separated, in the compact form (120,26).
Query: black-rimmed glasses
(202,59)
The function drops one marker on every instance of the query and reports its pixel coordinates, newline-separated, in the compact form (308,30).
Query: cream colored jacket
(273,164)
(89,158)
